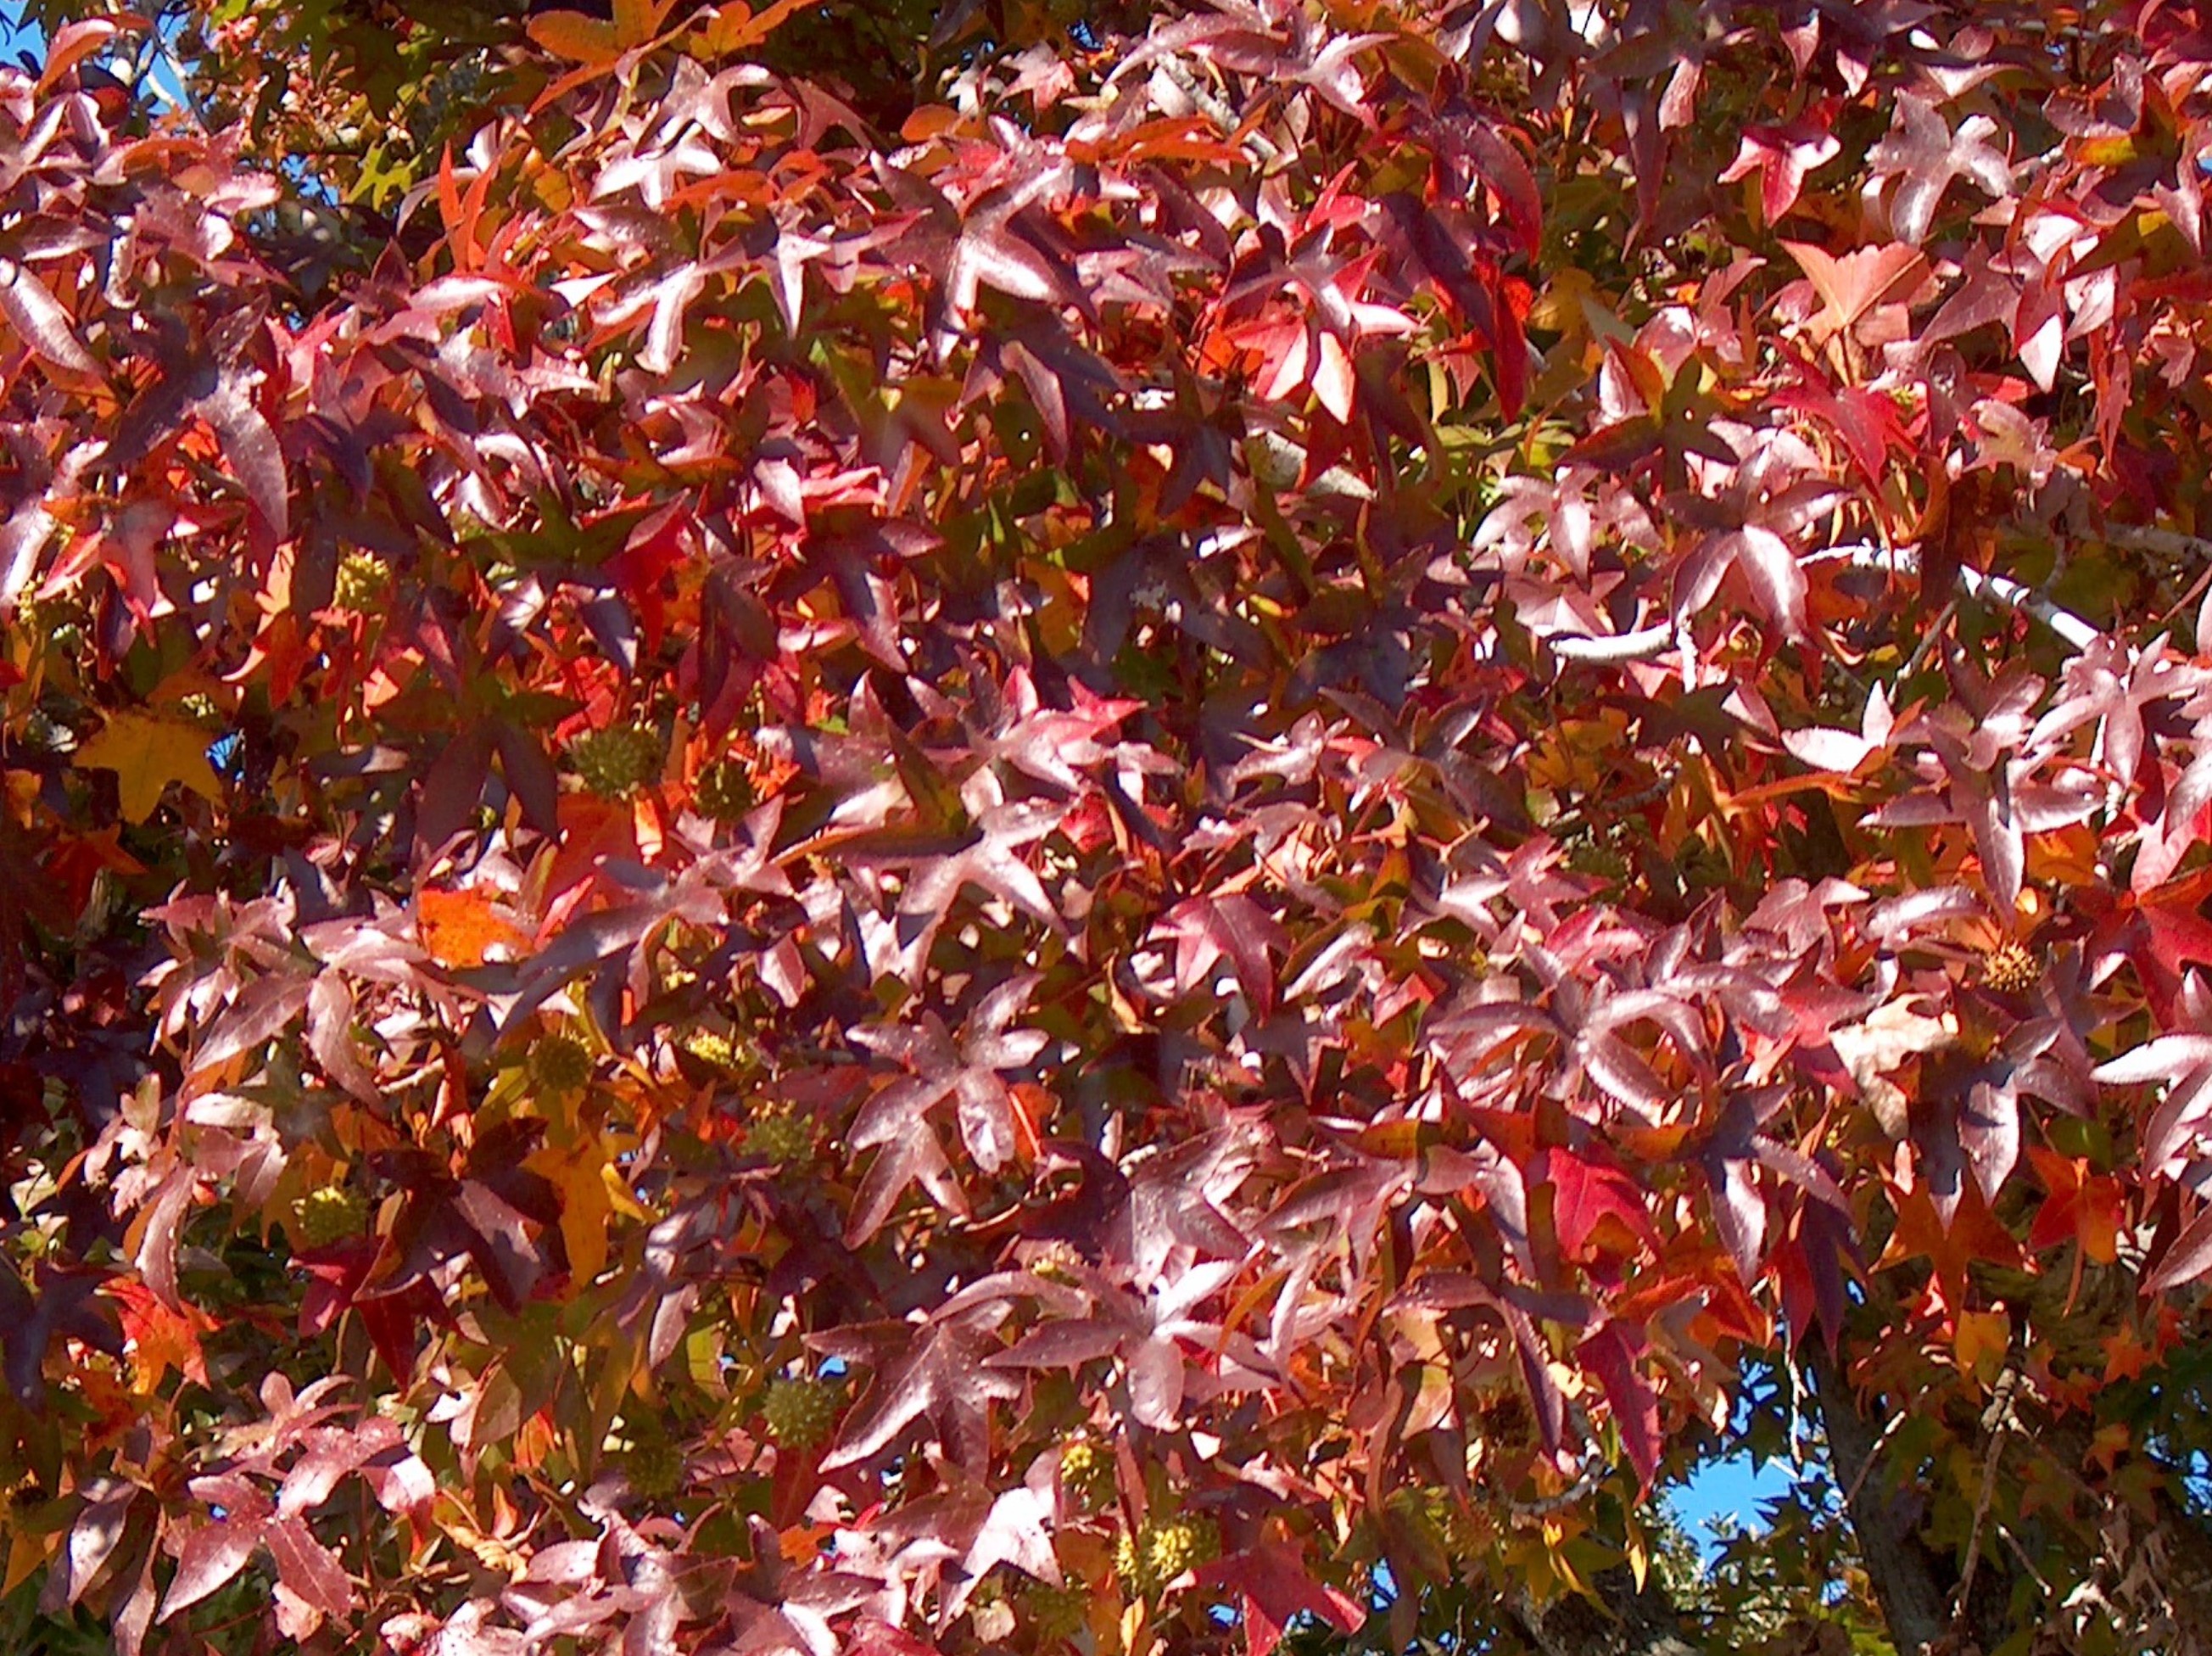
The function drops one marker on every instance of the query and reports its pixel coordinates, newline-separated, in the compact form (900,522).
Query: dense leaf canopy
(1038,828)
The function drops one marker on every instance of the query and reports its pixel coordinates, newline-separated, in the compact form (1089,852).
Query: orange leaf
(158,1339)
(459,928)
(2082,1207)
(591,42)
(1973,1234)
(579,1173)
(636,21)
(2125,1355)
(734,28)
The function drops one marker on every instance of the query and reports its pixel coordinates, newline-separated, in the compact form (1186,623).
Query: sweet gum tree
(1127,831)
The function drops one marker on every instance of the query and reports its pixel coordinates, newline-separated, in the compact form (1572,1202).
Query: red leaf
(1587,1195)
(1272,1582)
(1781,156)
(93,1537)
(1611,1354)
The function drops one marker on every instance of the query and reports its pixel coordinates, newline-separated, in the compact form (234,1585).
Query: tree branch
(2170,542)
(1625,1620)
(1907,1578)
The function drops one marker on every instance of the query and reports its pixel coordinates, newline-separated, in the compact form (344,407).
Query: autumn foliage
(1025,829)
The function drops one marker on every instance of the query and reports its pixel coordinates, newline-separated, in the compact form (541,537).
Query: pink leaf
(309,1569)
(212,1555)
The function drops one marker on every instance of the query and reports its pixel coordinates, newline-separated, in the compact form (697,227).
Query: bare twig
(1216,109)
(2026,1563)
(1927,644)
(1568,821)
(2066,624)
(2172,542)
(1641,645)
(1874,1454)
(1593,1468)
(1998,1420)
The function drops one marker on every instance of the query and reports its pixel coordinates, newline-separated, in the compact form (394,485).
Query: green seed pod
(780,1137)
(725,792)
(711,1047)
(1056,1615)
(614,762)
(655,1470)
(2010,969)
(1163,1548)
(560,1063)
(363,581)
(330,1214)
(1087,1472)
(801,1414)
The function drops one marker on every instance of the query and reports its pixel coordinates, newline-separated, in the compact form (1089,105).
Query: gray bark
(1911,1583)
(1624,1621)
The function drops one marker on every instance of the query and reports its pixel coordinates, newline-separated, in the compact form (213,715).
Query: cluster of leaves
(1142,865)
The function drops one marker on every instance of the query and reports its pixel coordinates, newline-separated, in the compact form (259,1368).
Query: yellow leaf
(620,1196)
(146,754)
(702,1359)
(580,1175)
(1556,1555)
(26,1553)
(1561,308)
(1980,1342)
(1133,1628)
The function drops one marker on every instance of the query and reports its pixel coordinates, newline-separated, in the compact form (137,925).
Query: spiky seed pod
(1056,1615)
(2010,969)
(1588,854)
(780,1137)
(331,1214)
(1087,1472)
(801,1414)
(655,1469)
(560,1063)
(363,580)
(1505,1422)
(1163,1548)
(1182,1543)
(711,1048)
(614,762)
(725,792)
(1129,1563)
(19,1494)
